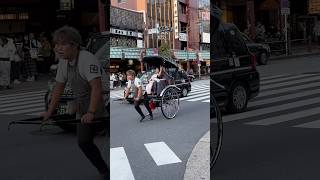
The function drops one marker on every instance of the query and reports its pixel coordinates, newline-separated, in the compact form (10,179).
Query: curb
(198,165)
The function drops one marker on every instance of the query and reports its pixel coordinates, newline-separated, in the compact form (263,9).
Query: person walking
(16,66)
(45,52)
(140,95)
(82,70)
(5,64)
(35,46)
(14,60)
(29,64)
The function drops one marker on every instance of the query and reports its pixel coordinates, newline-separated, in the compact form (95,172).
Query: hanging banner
(176,19)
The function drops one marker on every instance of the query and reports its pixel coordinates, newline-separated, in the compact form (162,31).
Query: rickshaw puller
(140,94)
(82,70)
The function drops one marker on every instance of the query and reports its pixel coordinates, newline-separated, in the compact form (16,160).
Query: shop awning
(134,53)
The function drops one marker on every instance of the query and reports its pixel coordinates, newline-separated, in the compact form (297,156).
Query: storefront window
(66,4)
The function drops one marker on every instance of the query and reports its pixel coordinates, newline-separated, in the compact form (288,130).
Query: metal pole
(286,32)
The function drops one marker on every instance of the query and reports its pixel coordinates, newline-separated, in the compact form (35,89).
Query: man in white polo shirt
(140,94)
(82,70)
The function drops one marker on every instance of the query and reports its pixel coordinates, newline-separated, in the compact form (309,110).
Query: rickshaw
(65,114)
(166,92)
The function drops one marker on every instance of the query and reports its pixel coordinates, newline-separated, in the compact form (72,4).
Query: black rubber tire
(216,131)
(236,88)
(263,58)
(184,92)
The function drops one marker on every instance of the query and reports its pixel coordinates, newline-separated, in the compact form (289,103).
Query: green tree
(164,50)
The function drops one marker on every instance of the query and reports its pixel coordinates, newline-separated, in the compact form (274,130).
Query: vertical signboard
(176,19)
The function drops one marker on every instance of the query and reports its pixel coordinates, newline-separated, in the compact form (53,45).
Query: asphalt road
(157,149)
(277,137)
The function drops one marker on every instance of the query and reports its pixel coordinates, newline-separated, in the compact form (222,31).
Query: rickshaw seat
(159,86)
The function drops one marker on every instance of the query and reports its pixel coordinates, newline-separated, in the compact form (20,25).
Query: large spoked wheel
(216,127)
(170,102)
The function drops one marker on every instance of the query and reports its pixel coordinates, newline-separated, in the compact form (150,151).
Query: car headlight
(267,47)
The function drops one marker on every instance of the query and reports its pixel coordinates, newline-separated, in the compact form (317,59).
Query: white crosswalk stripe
(292,99)
(199,92)
(27,103)
(120,164)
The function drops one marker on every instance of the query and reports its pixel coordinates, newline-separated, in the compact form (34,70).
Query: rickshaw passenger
(150,88)
(163,81)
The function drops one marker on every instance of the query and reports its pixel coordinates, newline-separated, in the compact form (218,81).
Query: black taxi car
(236,79)
(260,50)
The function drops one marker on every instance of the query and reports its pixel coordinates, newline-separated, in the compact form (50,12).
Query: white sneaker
(16,81)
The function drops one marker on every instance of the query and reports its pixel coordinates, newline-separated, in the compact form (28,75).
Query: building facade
(37,16)
(183,25)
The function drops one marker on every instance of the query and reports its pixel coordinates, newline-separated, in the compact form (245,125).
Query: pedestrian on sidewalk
(316,31)
(82,70)
(140,95)
(35,46)
(5,64)
(29,64)
(16,64)
(12,54)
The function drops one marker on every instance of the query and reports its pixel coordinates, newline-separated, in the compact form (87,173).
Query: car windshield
(228,41)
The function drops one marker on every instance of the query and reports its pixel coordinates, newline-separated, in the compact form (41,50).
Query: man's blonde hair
(131,73)
(67,34)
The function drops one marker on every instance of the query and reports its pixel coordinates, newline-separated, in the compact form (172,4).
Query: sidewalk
(198,165)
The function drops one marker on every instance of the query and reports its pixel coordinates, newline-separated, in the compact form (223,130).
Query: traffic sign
(285,11)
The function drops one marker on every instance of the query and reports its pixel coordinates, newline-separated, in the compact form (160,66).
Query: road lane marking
(161,153)
(21,94)
(22,107)
(286,117)
(194,96)
(284,79)
(285,90)
(272,77)
(200,98)
(25,111)
(313,124)
(271,109)
(120,168)
(21,97)
(279,85)
(20,103)
(284,97)
(195,93)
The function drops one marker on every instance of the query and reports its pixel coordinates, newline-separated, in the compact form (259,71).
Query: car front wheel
(263,58)
(184,92)
(238,98)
